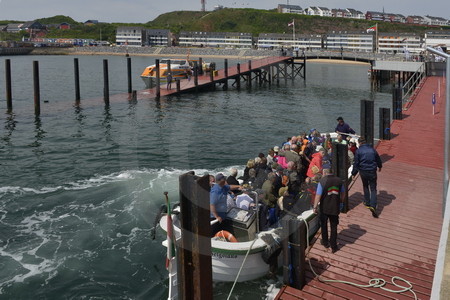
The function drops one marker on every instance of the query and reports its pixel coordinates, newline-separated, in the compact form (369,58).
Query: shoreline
(163,55)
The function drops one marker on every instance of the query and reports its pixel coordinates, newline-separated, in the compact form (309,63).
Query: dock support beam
(238,79)
(200,63)
(294,244)
(158,80)
(8,82)
(367,120)
(37,89)
(385,123)
(196,75)
(105,82)
(76,69)
(195,268)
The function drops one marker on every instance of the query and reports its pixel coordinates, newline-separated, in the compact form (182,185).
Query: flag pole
(293,31)
(376,39)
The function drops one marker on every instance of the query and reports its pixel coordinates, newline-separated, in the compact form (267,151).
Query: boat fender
(273,248)
(162,210)
(227,236)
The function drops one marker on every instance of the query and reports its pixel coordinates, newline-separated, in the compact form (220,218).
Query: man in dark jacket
(343,127)
(330,194)
(366,163)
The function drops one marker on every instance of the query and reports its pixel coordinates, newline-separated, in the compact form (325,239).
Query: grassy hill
(267,21)
(254,21)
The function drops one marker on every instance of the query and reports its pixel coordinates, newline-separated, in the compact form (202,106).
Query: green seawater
(80,186)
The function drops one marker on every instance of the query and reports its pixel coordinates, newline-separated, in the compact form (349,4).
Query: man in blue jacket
(343,127)
(367,161)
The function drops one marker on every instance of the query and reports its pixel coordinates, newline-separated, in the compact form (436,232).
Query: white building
(399,43)
(349,41)
(216,39)
(356,14)
(436,21)
(440,38)
(324,12)
(340,13)
(130,36)
(290,9)
(278,41)
(312,11)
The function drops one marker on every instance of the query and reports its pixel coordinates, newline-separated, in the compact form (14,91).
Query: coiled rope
(373,283)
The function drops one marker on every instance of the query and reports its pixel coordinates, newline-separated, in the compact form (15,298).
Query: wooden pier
(404,240)
(268,70)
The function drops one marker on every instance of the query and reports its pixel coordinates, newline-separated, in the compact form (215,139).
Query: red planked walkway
(403,241)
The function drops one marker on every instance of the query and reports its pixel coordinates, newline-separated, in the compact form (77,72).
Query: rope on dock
(373,283)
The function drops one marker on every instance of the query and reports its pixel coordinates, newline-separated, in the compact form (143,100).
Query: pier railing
(411,87)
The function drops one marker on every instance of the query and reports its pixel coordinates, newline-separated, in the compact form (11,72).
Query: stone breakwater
(157,51)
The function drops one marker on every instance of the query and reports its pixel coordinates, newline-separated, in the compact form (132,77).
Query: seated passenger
(244,201)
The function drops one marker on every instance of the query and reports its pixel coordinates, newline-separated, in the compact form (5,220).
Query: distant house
(394,18)
(64,26)
(3,27)
(130,36)
(290,9)
(13,28)
(416,20)
(324,12)
(91,22)
(375,16)
(312,11)
(158,37)
(340,13)
(32,25)
(218,7)
(436,21)
(356,14)
(439,38)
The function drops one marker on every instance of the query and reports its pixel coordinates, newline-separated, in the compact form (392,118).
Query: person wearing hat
(316,162)
(343,127)
(218,200)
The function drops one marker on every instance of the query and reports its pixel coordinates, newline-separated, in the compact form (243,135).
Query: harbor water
(80,186)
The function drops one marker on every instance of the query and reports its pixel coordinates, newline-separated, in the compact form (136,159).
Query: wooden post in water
(76,69)
(158,79)
(278,74)
(105,82)
(225,83)
(294,244)
(8,82)
(304,66)
(196,76)
(238,80)
(178,82)
(211,75)
(385,123)
(37,90)
(367,120)
(130,83)
(269,71)
(200,63)
(293,68)
(134,95)
(285,72)
(340,165)
(195,269)
(249,79)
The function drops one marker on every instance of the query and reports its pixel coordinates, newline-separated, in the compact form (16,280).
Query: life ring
(226,235)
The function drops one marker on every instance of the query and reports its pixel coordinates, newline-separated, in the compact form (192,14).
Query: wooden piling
(285,72)
(367,120)
(158,79)
(36,86)
(178,82)
(397,105)
(340,165)
(225,83)
(278,74)
(195,269)
(76,69)
(200,63)
(196,76)
(134,95)
(238,79)
(105,82)
(293,69)
(130,83)
(211,75)
(8,82)
(294,244)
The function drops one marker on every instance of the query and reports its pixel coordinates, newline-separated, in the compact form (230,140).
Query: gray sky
(145,10)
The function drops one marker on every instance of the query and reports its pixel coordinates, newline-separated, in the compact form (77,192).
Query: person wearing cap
(316,162)
(367,161)
(343,127)
(218,199)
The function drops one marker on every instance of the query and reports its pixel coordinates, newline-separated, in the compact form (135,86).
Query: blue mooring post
(294,244)
(433,102)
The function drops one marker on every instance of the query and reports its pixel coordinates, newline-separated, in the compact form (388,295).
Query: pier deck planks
(404,240)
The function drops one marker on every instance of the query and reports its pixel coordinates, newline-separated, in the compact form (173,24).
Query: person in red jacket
(315,166)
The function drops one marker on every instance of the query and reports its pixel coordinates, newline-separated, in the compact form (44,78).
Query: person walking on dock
(329,196)
(169,81)
(366,163)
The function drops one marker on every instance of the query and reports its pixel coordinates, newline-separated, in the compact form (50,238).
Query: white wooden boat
(227,258)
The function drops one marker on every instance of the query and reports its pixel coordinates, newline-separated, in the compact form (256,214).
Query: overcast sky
(145,10)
